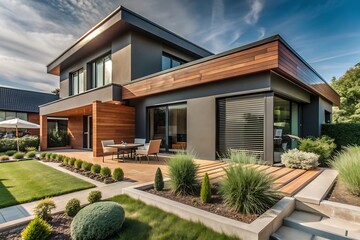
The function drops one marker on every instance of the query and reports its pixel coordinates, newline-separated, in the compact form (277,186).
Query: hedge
(345,134)
(7,144)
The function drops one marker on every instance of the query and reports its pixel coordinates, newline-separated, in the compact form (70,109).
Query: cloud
(262,32)
(255,8)
(338,55)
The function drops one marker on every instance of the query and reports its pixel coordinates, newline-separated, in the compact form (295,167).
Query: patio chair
(154,149)
(107,149)
(141,141)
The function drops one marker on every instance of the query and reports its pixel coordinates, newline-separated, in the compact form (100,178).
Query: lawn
(27,181)
(147,222)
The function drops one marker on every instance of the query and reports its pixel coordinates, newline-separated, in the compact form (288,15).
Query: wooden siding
(34,118)
(112,122)
(43,132)
(257,59)
(75,130)
(291,66)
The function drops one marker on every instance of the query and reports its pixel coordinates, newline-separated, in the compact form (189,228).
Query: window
(10,115)
(101,72)
(77,82)
(22,116)
(169,61)
(327,117)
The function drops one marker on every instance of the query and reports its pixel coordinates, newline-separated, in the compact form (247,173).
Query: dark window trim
(93,82)
(172,57)
(71,90)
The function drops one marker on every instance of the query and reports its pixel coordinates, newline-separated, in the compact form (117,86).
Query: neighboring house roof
(17,100)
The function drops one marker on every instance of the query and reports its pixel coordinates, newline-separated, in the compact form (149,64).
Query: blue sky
(326,33)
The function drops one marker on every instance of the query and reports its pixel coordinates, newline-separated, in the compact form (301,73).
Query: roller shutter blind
(240,124)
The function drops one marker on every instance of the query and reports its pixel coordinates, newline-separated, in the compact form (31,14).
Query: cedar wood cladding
(269,56)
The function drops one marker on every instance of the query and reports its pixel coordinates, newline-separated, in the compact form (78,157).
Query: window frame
(172,59)
(94,81)
(80,70)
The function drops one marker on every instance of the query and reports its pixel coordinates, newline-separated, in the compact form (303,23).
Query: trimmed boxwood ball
(31,154)
(48,156)
(96,168)
(105,171)
(78,163)
(72,161)
(66,160)
(59,158)
(97,221)
(18,155)
(43,155)
(118,174)
(86,166)
(94,196)
(72,207)
(54,156)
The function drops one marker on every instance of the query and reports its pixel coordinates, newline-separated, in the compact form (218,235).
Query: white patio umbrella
(18,123)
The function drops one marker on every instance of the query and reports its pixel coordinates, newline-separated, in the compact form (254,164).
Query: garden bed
(340,194)
(89,174)
(216,206)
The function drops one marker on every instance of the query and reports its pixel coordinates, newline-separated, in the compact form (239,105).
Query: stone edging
(261,228)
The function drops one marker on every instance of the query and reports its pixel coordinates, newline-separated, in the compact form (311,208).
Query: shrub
(205,193)
(323,146)
(78,163)
(54,156)
(59,158)
(94,196)
(72,207)
(18,155)
(43,155)
(182,172)
(299,159)
(58,138)
(66,160)
(118,174)
(345,134)
(37,229)
(105,171)
(347,163)
(96,168)
(44,208)
(98,221)
(10,152)
(48,156)
(4,158)
(247,190)
(31,154)
(72,161)
(30,149)
(24,142)
(86,166)
(159,180)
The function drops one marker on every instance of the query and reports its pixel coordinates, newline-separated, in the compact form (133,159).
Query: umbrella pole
(17,138)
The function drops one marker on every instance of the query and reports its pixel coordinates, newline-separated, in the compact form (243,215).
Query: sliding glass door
(168,123)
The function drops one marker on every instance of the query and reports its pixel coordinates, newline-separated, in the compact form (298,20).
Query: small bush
(299,159)
(54,156)
(118,174)
(98,221)
(30,149)
(205,193)
(345,134)
(72,207)
(37,229)
(78,163)
(59,158)
(182,172)
(347,163)
(94,196)
(72,161)
(159,180)
(43,155)
(10,152)
(31,154)
(66,160)
(18,155)
(48,156)
(105,172)
(323,146)
(4,158)
(44,208)
(24,142)
(96,168)
(86,166)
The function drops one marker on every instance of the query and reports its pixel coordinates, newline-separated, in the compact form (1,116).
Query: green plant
(159,180)
(72,207)
(4,158)
(24,142)
(48,156)
(31,154)
(66,160)
(30,149)
(59,158)
(37,229)
(345,134)
(10,152)
(96,168)
(44,208)
(299,159)
(72,161)
(118,174)
(105,172)
(347,163)
(247,190)
(58,138)
(78,163)
(323,146)
(182,172)
(86,166)
(94,196)
(18,155)
(54,156)
(205,192)
(43,155)
(98,221)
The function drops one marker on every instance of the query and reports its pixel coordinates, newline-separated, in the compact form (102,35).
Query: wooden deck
(287,180)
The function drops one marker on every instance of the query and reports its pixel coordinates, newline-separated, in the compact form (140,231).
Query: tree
(348,87)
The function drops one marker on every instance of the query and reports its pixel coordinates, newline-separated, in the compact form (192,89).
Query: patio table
(126,146)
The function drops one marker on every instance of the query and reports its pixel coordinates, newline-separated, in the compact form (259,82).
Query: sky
(326,33)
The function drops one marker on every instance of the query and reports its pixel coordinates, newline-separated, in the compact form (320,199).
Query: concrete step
(288,233)
(322,226)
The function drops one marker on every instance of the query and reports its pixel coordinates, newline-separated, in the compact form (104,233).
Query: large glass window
(169,123)
(77,82)
(169,61)
(101,72)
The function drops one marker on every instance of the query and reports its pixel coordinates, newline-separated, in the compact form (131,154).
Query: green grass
(27,181)
(147,222)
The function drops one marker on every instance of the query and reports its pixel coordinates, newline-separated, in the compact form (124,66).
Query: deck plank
(294,186)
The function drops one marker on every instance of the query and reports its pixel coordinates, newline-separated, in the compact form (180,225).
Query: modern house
(23,104)
(128,77)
